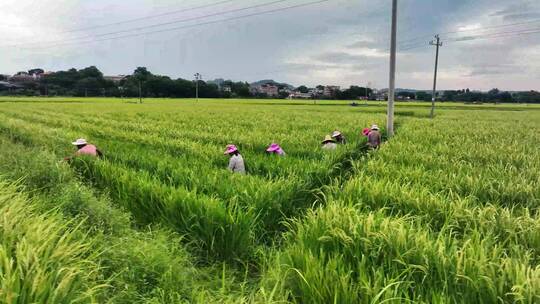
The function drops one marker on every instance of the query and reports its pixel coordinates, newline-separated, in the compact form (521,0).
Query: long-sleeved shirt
(374,139)
(329,146)
(236,164)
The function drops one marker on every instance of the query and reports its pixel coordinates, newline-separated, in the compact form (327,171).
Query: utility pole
(197,78)
(392,85)
(367,92)
(437,42)
(140,91)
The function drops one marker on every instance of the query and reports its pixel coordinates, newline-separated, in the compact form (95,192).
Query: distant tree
(353,92)
(90,72)
(3,78)
(35,71)
(527,97)
(303,89)
(451,95)
(424,96)
(506,97)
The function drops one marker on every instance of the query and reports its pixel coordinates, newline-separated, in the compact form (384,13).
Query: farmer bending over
(236,163)
(340,139)
(374,137)
(275,149)
(84,148)
(329,143)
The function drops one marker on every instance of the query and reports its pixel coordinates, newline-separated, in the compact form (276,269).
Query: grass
(445,212)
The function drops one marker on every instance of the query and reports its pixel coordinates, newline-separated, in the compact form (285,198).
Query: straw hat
(336,134)
(79,142)
(375,127)
(230,149)
(273,148)
(328,138)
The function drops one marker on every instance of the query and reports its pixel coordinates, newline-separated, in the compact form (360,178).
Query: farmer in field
(84,148)
(236,162)
(275,149)
(329,143)
(374,137)
(340,139)
(366,131)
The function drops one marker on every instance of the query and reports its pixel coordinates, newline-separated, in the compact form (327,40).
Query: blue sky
(339,42)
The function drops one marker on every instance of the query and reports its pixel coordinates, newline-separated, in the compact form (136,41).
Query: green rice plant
(219,232)
(42,259)
(340,255)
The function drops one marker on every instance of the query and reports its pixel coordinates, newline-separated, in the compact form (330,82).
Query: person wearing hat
(236,162)
(329,143)
(84,148)
(275,149)
(366,131)
(339,138)
(374,137)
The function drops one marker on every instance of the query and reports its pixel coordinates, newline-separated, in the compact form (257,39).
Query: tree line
(492,96)
(90,82)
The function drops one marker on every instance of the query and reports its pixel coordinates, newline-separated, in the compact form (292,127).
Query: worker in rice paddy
(366,131)
(374,137)
(84,148)
(340,139)
(236,162)
(275,149)
(329,143)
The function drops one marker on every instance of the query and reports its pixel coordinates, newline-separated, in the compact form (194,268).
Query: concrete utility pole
(367,92)
(392,86)
(437,42)
(140,91)
(197,78)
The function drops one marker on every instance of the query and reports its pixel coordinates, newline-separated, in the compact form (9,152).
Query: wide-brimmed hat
(336,134)
(328,138)
(273,148)
(79,142)
(375,127)
(366,131)
(230,149)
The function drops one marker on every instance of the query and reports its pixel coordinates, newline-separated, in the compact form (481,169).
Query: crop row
(82,248)
(428,218)
(156,192)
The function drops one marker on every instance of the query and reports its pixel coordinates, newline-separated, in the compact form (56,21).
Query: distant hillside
(270,81)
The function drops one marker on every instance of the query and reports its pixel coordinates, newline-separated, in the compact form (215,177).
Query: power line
(148,17)
(492,27)
(412,47)
(188,26)
(497,35)
(155,25)
(422,37)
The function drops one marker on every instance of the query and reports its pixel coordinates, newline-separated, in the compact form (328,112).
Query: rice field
(445,212)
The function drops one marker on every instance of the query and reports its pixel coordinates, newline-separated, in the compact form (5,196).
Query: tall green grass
(42,258)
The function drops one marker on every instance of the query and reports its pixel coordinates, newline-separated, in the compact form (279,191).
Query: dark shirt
(374,139)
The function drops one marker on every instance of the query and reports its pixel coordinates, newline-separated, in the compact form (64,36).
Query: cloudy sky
(487,43)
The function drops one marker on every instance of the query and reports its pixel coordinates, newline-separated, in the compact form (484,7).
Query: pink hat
(230,149)
(366,131)
(273,148)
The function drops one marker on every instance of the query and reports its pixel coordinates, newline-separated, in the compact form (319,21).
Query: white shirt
(329,146)
(236,164)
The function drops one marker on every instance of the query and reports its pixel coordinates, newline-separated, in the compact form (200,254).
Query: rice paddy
(446,211)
